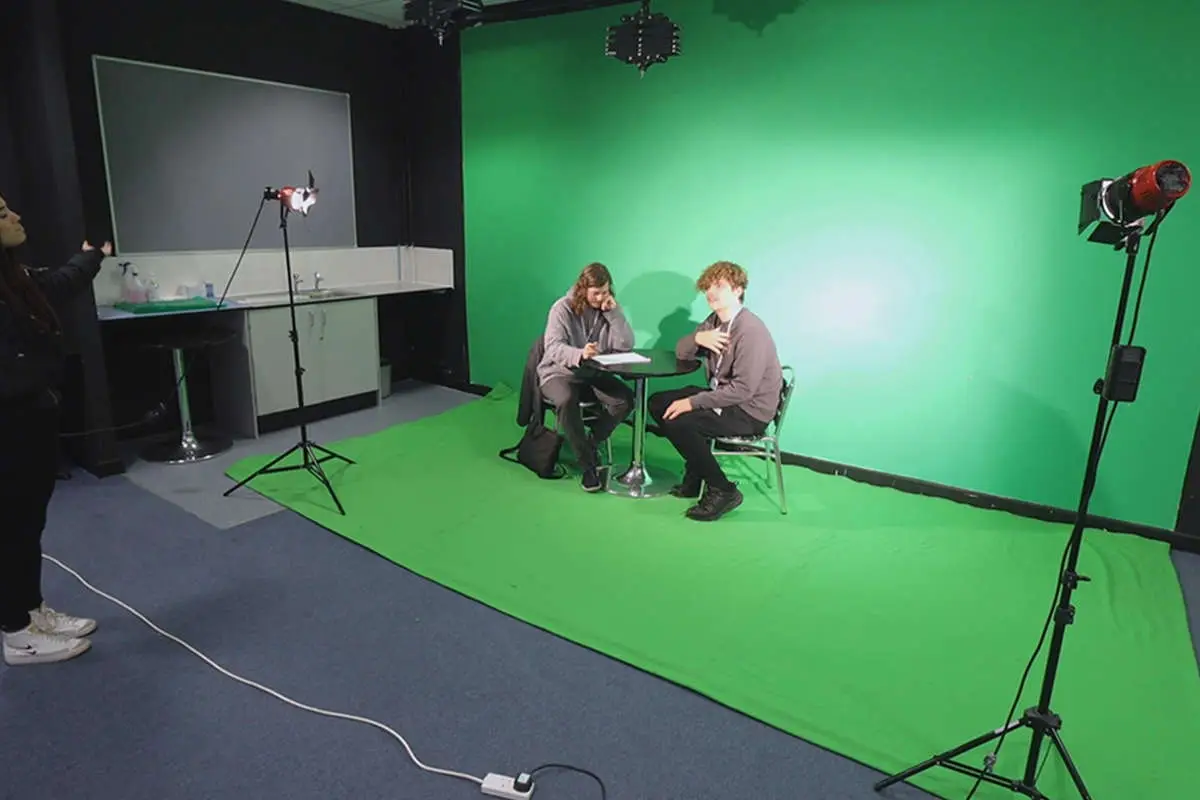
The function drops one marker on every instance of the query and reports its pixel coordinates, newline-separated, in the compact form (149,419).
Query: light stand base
(1046,725)
(311,463)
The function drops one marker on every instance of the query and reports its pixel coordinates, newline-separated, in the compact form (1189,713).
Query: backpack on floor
(538,451)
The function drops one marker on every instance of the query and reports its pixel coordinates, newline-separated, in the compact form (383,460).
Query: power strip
(495,785)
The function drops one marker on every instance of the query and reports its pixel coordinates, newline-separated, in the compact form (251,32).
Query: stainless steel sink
(303,296)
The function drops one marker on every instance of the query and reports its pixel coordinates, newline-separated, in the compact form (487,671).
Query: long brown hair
(22,295)
(593,276)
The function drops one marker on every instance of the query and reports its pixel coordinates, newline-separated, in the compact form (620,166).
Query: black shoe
(591,480)
(715,504)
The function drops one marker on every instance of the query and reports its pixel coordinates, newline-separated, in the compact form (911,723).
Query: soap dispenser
(132,289)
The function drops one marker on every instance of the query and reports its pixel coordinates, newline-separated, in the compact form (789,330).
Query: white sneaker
(32,646)
(47,620)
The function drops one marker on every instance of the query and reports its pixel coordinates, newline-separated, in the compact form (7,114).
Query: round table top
(662,364)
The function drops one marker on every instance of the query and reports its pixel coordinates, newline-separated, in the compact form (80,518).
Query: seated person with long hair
(745,380)
(584,323)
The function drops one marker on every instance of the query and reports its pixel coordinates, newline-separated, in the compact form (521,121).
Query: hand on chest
(723,365)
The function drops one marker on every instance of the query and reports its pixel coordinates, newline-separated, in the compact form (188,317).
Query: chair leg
(779,477)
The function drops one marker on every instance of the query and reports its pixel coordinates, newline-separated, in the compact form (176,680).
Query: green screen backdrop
(901,179)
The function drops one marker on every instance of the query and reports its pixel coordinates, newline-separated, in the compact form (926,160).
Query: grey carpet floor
(285,603)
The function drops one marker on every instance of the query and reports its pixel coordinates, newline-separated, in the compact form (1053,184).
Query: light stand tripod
(310,461)
(1119,385)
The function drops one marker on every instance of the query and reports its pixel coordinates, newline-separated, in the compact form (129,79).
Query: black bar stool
(189,448)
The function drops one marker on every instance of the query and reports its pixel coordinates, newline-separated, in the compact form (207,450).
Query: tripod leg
(261,470)
(318,472)
(1056,737)
(330,453)
(942,758)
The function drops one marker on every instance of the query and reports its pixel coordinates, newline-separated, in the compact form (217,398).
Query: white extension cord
(495,785)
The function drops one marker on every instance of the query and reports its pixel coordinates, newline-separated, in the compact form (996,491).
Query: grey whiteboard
(189,154)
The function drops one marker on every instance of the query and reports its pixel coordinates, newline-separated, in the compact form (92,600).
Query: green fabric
(881,625)
(163,306)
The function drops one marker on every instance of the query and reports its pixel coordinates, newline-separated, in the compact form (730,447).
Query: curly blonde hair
(727,271)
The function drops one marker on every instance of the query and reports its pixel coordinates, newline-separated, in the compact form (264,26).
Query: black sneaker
(715,504)
(591,480)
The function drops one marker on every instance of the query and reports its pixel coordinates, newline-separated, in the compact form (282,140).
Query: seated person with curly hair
(745,379)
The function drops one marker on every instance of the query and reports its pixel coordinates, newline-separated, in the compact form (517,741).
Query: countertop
(332,294)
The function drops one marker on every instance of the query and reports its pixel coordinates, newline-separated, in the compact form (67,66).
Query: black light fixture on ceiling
(643,39)
(442,16)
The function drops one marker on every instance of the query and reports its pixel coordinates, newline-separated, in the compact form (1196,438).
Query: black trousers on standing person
(28,471)
(692,434)
(565,394)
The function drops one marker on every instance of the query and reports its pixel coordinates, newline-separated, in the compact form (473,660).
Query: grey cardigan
(568,332)
(747,375)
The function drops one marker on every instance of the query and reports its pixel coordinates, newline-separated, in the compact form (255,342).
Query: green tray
(163,306)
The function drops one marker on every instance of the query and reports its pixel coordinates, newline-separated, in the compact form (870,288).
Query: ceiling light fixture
(442,16)
(643,39)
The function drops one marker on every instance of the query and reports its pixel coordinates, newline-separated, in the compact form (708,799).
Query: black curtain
(40,161)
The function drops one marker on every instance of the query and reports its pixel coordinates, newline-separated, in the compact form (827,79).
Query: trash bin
(385,379)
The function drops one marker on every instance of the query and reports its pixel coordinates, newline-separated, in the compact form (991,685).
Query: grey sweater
(568,332)
(748,374)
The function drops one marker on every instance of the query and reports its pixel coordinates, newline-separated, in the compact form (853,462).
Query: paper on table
(620,358)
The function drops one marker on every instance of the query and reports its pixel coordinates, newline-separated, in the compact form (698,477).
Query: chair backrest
(785,397)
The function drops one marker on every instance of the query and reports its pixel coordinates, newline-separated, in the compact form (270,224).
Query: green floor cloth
(881,625)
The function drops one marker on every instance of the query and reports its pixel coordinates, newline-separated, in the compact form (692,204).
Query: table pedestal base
(641,480)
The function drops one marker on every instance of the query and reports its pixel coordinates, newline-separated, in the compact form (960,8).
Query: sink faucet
(296,281)
(317,281)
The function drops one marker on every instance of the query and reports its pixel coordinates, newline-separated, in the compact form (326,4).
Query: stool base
(187,450)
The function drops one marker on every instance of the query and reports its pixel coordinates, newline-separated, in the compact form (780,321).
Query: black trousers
(693,432)
(565,394)
(28,471)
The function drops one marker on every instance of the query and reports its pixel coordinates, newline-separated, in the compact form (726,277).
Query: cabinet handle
(324,319)
(311,320)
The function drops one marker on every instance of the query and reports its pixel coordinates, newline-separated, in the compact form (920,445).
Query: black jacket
(31,361)
(529,400)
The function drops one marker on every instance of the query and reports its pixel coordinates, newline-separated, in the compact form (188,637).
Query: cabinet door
(347,334)
(274,367)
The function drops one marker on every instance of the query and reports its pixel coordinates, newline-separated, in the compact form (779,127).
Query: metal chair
(588,410)
(766,445)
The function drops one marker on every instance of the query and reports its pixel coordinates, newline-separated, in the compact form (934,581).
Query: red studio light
(1153,188)
(298,199)
(1116,205)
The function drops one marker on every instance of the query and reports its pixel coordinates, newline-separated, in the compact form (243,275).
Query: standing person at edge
(745,384)
(585,323)
(31,364)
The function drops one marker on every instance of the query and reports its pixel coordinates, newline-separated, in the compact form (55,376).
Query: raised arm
(63,283)
(687,348)
(620,332)
(559,349)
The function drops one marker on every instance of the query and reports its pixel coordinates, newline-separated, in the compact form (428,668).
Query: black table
(638,479)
